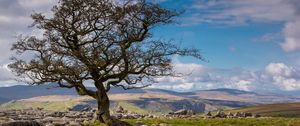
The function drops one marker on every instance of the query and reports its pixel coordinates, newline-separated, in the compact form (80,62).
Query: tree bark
(103,109)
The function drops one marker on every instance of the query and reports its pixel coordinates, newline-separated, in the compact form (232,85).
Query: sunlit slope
(273,110)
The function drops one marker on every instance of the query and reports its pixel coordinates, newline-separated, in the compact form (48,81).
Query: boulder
(230,115)
(82,107)
(2,114)
(237,115)
(220,114)
(208,115)
(181,112)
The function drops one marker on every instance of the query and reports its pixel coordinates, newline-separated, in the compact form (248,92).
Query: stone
(139,123)
(181,112)
(230,115)
(220,114)
(82,107)
(22,123)
(119,109)
(2,114)
(208,115)
(72,123)
(237,115)
(191,112)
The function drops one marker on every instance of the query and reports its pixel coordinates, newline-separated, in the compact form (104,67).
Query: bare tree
(104,42)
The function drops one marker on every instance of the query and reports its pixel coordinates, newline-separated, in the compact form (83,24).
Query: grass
(224,122)
(55,106)
(131,107)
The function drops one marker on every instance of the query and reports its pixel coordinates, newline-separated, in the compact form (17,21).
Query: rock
(139,123)
(22,123)
(230,115)
(82,107)
(220,114)
(120,109)
(191,112)
(237,115)
(51,119)
(208,115)
(72,123)
(2,114)
(181,112)
(248,114)
(255,116)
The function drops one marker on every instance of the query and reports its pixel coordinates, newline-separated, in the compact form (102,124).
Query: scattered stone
(22,123)
(229,115)
(208,115)
(220,114)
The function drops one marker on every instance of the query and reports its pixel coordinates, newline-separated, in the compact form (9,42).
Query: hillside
(3,100)
(273,110)
(140,100)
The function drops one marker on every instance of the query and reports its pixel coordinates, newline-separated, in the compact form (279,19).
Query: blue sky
(251,45)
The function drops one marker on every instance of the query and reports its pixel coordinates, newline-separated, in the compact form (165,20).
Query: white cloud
(292,36)
(284,76)
(14,20)
(241,12)
(274,77)
(6,75)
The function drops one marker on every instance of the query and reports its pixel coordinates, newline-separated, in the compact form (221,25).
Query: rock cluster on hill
(121,113)
(221,114)
(45,117)
(182,113)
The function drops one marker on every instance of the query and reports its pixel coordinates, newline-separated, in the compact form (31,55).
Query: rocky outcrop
(221,114)
(182,113)
(36,117)
(121,113)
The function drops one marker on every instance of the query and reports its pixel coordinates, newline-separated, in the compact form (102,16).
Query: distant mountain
(231,91)
(25,91)
(154,100)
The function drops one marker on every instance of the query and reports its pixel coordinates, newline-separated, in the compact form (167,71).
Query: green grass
(55,106)
(224,122)
(131,107)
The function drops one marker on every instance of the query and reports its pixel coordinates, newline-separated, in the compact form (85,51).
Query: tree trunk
(103,109)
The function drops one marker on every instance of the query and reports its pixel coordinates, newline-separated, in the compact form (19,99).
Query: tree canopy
(105,42)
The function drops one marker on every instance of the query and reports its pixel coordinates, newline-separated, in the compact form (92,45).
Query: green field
(54,106)
(220,122)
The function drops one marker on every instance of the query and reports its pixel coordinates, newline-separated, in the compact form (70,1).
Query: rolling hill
(142,100)
(273,110)
(3,100)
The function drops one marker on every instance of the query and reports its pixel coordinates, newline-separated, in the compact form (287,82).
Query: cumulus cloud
(274,77)
(14,20)
(284,76)
(241,12)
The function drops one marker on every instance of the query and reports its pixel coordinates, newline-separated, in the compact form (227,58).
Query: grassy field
(273,110)
(220,122)
(54,106)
